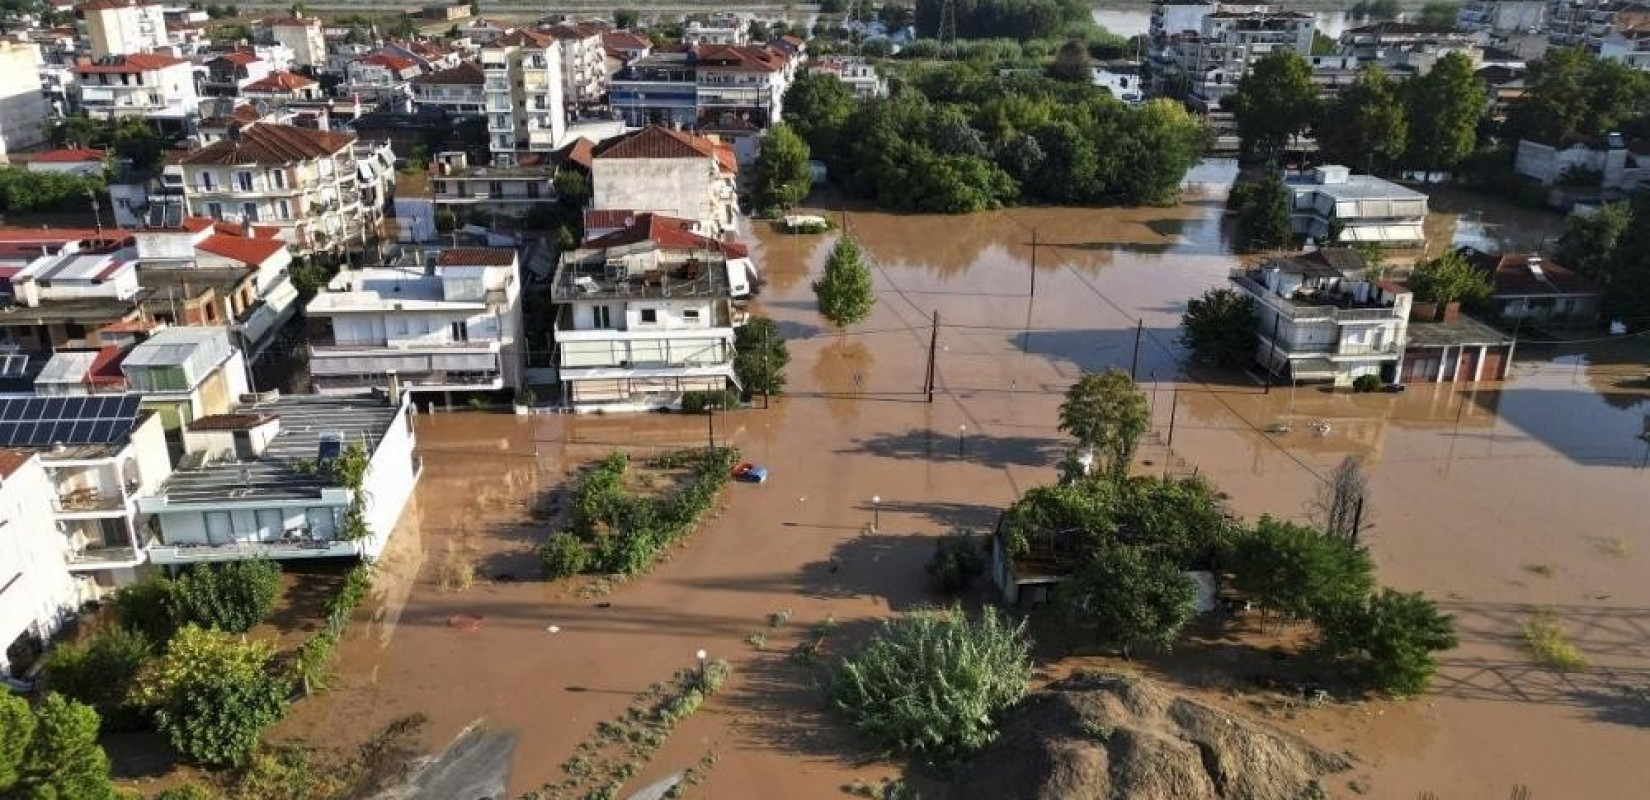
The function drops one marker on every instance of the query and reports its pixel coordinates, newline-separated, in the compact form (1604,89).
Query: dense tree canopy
(1439,14)
(1126,596)
(957,139)
(1444,108)
(51,752)
(1365,127)
(1388,640)
(845,292)
(760,356)
(1299,572)
(1274,102)
(1219,328)
(1016,19)
(1589,241)
(781,178)
(1449,278)
(213,694)
(1627,297)
(1570,93)
(1261,206)
(1107,414)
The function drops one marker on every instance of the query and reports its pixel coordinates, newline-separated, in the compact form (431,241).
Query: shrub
(146,607)
(1125,595)
(188,791)
(957,561)
(1366,383)
(698,402)
(1547,641)
(628,531)
(51,751)
(232,596)
(213,695)
(1219,328)
(563,555)
(312,665)
(934,683)
(1389,639)
(1300,572)
(99,672)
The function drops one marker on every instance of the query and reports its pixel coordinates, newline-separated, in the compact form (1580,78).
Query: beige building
(319,189)
(523,90)
(119,27)
(303,35)
(23,107)
(583,63)
(673,173)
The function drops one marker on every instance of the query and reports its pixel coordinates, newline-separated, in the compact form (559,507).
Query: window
(604,317)
(460,332)
(691,315)
(215,211)
(243,181)
(249,212)
(206,181)
(283,210)
(650,315)
(277,178)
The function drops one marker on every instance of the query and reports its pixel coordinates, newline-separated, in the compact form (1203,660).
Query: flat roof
(1464,330)
(304,420)
(1356,187)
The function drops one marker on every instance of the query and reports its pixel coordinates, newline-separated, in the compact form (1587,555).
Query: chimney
(395,389)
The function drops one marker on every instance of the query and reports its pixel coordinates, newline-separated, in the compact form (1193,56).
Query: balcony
(1337,308)
(89,503)
(299,546)
(93,558)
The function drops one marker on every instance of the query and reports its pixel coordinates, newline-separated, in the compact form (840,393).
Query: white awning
(611,373)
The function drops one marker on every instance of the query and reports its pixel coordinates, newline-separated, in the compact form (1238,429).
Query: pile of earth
(1117,736)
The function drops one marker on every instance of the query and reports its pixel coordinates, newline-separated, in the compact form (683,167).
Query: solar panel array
(45,421)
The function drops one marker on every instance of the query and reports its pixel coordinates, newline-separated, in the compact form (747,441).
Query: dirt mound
(1111,736)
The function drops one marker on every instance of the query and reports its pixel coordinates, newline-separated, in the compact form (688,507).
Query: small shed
(1459,350)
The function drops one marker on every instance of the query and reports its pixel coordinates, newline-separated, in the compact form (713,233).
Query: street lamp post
(701,655)
(962,436)
(876,512)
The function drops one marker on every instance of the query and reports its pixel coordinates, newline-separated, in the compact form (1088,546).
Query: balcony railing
(104,557)
(1291,310)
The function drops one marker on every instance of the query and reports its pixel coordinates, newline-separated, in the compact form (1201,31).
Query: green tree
(146,607)
(1219,328)
(626,18)
(760,356)
(1389,640)
(1627,296)
(563,555)
(1262,213)
(135,139)
(230,596)
(1107,414)
(1126,596)
(1555,104)
(213,695)
(935,683)
(1161,141)
(1449,278)
(1589,241)
(1444,107)
(817,106)
(1378,10)
(51,752)
(572,188)
(956,562)
(845,292)
(1072,63)
(1365,126)
(1275,102)
(100,671)
(1439,14)
(1298,572)
(1012,19)
(781,177)
(77,130)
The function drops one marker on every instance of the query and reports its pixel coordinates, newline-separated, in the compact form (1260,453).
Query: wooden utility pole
(766,378)
(1273,352)
(1174,407)
(933,344)
(1139,330)
(1033,262)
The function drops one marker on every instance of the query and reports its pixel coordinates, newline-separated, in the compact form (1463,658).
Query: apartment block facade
(523,87)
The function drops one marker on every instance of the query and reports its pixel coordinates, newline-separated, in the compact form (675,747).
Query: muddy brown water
(1471,489)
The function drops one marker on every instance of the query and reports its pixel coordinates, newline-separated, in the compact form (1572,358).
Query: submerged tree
(1107,414)
(1275,102)
(781,175)
(760,356)
(845,292)
(1262,209)
(1124,596)
(1219,328)
(1339,508)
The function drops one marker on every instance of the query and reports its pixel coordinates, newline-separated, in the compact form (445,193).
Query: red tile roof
(134,62)
(467,73)
(573,30)
(580,153)
(476,257)
(68,155)
(523,38)
(249,251)
(668,233)
(626,40)
(388,61)
(39,236)
(240,57)
(654,141)
(739,57)
(292,22)
(1512,277)
(268,143)
(279,82)
(606,218)
(12,460)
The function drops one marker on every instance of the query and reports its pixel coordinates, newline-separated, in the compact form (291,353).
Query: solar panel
(45,421)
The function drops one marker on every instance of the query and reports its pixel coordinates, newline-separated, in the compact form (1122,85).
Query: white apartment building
(123,27)
(322,190)
(1404,49)
(583,64)
(1501,16)
(859,75)
(100,453)
(447,320)
(646,313)
(156,87)
(670,172)
(1361,208)
(1319,320)
(523,88)
(37,592)
(1219,54)
(721,28)
(23,107)
(741,92)
(490,192)
(457,90)
(185,373)
(303,35)
(1630,47)
(259,482)
(382,78)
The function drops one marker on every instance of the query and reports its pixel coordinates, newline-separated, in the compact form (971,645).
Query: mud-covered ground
(1494,500)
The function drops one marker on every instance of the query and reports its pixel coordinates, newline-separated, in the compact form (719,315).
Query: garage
(1452,352)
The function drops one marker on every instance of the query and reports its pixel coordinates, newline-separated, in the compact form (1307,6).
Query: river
(1138,20)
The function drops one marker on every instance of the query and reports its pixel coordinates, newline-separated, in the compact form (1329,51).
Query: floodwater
(1471,489)
(1130,21)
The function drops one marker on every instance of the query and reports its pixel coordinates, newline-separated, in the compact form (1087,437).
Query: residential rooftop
(1341,185)
(1463,330)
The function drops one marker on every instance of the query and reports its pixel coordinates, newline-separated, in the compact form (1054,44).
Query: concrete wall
(389,480)
(677,187)
(23,107)
(36,590)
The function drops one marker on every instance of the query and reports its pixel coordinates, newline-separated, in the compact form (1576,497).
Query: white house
(302,35)
(37,592)
(524,90)
(447,320)
(271,480)
(1331,205)
(213,273)
(118,27)
(186,373)
(1501,16)
(23,107)
(156,87)
(673,173)
(1320,320)
(583,63)
(81,161)
(646,313)
(858,74)
(1613,163)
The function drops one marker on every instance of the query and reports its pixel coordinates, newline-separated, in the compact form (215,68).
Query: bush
(51,751)
(1219,328)
(1551,648)
(188,791)
(99,672)
(1299,572)
(213,695)
(957,561)
(146,607)
(935,683)
(563,555)
(231,596)
(700,402)
(1366,383)
(628,531)
(1125,595)
(1389,640)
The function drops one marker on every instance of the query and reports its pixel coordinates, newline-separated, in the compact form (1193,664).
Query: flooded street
(1472,489)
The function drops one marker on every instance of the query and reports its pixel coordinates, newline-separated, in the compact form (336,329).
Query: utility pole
(1139,330)
(1272,356)
(1033,262)
(933,343)
(766,378)
(710,422)
(1174,406)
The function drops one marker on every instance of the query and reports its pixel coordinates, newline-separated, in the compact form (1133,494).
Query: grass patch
(1544,570)
(1547,642)
(1612,546)
(780,618)
(457,570)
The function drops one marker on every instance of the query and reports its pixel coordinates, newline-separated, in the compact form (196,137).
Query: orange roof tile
(134,62)
(67,155)
(249,251)
(279,82)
